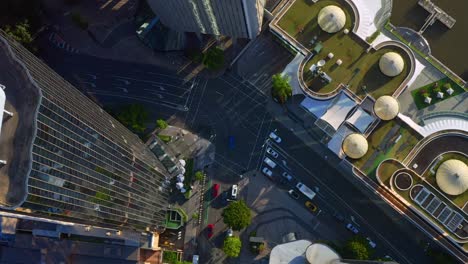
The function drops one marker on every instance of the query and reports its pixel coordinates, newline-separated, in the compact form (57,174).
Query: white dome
(452,177)
(331,19)
(355,146)
(391,64)
(386,107)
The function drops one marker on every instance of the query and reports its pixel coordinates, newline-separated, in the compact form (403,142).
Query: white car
(371,243)
(275,137)
(234,192)
(269,162)
(272,152)
(267,172)
(352,228)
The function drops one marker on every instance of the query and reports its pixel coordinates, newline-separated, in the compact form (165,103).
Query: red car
(209,230)
(215,190)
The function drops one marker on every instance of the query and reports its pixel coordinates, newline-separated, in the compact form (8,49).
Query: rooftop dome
(391,64)
(331,19)
(452,177)
(386,107)
(355,146)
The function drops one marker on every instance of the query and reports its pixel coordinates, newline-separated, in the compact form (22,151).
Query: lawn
(459,200)
(432,89)
(386,170)
(390,139)
(300,21)
(358,69)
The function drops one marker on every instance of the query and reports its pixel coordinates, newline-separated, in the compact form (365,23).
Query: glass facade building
(85,166)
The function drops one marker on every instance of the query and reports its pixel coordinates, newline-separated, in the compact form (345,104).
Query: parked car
(209,230)
(229,232)
(275,137)
(267,172)
(269,162)
(234,191)
(371,243)
(339,216)
(293,194)
(287,176)
(272,152)
(232,142)
(311,206)
(352,228)
(215,190)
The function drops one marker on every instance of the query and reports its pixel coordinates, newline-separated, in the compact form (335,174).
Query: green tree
(357,248)
(20,32)
(161,124)
(281,89)
(199,175)
(237,215)
(213,59)
(134,117)
(232,246)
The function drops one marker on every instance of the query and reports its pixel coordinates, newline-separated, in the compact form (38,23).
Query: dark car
(210,230)
(215,190)
(232,142)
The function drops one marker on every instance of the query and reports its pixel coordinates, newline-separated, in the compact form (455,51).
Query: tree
(134,117)
(281,90)
(357,248)
(213,59)
(199,175)
(232,246)
(20,32)
(237,215)
(161,124)
(440,257)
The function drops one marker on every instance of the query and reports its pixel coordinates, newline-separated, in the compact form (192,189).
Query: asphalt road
(227,107)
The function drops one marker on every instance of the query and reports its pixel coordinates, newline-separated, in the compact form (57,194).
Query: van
(269,162)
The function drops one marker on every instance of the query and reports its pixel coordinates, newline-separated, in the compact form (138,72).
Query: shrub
(447,86)
(213,59)
(161,124)
(199,176)
(261,247)
(165,138)
(195,216)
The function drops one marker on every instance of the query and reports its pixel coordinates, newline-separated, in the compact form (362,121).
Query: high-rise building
(63,157)
(235,18)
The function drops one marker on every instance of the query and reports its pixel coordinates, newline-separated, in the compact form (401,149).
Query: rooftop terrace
(16,136)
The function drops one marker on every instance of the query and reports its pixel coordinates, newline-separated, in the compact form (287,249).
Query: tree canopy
(134,117)
(281,89)
(161,124)
(237,215)
(20,32)
(357,248)
(232,246)
(213,59)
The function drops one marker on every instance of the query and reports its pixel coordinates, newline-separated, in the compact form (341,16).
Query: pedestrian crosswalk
(60,43)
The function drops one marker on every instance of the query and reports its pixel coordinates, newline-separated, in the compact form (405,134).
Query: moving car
(371,243)
(293,194)
(269,162)
(232,142)
(352,228)
(209,230)
(215,190)
(272,152)
(275,137)
(311,206)
(267,172)
(229,232)
(234,191)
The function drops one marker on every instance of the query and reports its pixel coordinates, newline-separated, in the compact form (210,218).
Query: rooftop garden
(359,70)
(300,21)
(386,170)
(430,176)
(390,139)
(431,90)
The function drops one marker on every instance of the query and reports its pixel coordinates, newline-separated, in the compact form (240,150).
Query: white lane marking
(336,196)
(199,102)
(166,104)
(90,84)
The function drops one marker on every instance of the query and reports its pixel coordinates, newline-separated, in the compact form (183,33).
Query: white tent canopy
(179,185)
(182,162)
(180,178)
(360,120)
(338,110)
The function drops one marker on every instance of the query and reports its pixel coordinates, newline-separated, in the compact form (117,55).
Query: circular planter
(403,181)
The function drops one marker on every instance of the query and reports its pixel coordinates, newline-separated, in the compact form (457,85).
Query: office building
(63,157)
(234,18)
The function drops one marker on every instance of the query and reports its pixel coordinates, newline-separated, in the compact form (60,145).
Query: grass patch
(431,91)
(390,139)
(386,170)
(372,37)
(165,138)
(360,70)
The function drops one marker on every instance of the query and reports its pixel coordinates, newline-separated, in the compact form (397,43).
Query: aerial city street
(240,131)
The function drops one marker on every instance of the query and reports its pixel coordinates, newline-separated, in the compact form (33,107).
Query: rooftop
(17,132)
